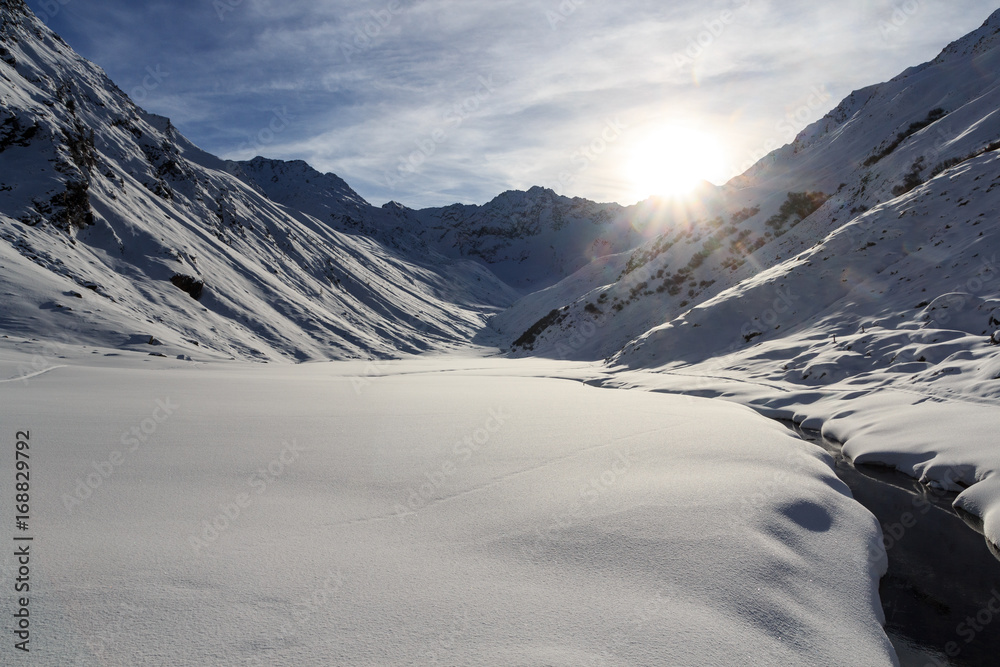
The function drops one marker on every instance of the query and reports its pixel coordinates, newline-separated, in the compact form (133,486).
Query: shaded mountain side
(115,230)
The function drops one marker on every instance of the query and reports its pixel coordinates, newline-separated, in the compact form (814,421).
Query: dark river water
(941,595)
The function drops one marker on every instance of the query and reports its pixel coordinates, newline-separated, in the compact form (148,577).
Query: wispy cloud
(390,94)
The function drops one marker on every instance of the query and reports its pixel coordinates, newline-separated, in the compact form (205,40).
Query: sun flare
(672,161)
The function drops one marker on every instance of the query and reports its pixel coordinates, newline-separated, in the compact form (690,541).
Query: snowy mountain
(260,259)
(530,239)
(118,231)
(907,241)
(856,174)
(330,199)
(288,262)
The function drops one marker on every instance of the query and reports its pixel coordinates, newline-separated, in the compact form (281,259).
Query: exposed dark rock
(189,284)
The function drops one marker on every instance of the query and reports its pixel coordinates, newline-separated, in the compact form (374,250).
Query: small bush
(796,208)
(527,339)
(933,116)
(744,214)
(944,165)
(911,179)
(72,206)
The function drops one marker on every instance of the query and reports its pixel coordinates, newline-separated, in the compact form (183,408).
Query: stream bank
(941,594)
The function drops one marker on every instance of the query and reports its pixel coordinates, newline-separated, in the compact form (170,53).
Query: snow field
(460,511)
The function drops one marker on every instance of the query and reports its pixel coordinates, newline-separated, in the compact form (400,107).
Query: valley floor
(437,510)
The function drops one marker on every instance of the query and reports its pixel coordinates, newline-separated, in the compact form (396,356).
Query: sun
(671,161)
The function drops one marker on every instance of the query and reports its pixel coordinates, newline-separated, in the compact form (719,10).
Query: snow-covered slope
(848,281)
(114,229)
(876,319)
(897,312)
(531,239)
(329,199)
(877,145)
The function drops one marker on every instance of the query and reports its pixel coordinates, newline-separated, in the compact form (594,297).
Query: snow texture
(453,511)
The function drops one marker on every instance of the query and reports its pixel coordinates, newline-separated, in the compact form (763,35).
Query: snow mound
(470,512)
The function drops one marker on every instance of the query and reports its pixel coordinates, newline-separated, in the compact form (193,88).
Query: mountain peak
(300,165)
(983,39)
(538,190)
(273,175)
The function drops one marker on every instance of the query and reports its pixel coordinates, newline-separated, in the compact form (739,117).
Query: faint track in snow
(28,376)
(495,482)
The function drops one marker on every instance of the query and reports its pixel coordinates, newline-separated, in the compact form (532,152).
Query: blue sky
(430,102)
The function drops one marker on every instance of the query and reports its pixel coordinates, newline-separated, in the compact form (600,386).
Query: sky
(432,102)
